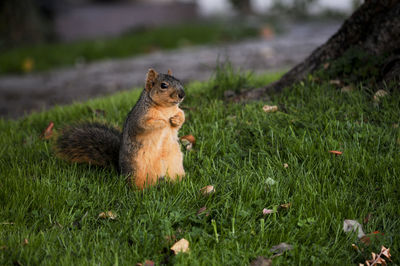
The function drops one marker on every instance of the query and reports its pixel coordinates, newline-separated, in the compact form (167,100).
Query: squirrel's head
(164,89)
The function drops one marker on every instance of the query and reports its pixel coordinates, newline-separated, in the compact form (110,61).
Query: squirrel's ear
(150,78)
(170,72)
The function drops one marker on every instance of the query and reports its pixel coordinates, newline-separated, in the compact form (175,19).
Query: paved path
(22,94)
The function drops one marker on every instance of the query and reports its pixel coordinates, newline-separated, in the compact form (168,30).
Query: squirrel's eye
(164,85)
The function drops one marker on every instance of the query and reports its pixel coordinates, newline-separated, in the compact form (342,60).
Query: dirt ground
(22,94)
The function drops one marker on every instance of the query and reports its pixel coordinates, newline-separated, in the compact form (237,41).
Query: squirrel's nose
(181,94)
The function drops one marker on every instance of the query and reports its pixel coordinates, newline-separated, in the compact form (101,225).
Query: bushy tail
(92,143)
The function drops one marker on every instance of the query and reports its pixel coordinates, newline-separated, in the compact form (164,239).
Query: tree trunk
(373,27)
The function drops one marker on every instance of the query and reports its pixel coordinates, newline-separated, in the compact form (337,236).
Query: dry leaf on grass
(335,82)
(48,132)
(279,249)
(285,205)
(146,263)
(336,152)
(181,246)
(109,214)
(285,165)
(367,238)
(188,141)
(26,242)
(201,210)
(377,258)
(380,94)
(7,223)
(207,190)
(267,211)
(352,225)
(261,261)
(348,88)
(270,108)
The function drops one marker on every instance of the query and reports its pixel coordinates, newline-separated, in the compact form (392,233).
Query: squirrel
(147,149)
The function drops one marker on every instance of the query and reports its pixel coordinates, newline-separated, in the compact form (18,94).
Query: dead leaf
(267,211)
(279,249)
(352,225)
(148,263)
(109,214)
(285,205)
(7,223)
(48,132)
(380,94)
(366,240)
(270,108)
(386,252)
(181,246)
(285,165)
(188,141)
(201,210)
(336,152)
(26,242)
(261,261)
(335,82)
(207,190)
(28,64)
(326,65)
(348,88)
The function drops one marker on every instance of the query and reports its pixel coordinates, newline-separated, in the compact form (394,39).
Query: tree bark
(374,27)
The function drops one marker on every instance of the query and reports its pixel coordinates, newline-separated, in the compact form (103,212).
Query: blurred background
(60,51)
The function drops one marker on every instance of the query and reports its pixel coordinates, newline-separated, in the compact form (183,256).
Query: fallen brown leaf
(261,261)
(207,190)
(201,210)
(270,108)
(285,205)
(380,94)
(188,141)
(109,214)
(26,242)
(348,88)
(7,223)
(181,246)
(285,165)
(336,152)
(48,132)
(335,82)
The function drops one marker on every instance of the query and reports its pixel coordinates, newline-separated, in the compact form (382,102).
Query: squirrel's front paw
(176,120)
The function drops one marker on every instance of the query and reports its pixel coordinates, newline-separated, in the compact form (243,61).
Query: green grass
(48,56)
(55,205)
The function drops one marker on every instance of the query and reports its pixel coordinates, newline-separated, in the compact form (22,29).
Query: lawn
(47,56)
(241,150)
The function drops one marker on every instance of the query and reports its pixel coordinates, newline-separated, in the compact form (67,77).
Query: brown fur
(154,138)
